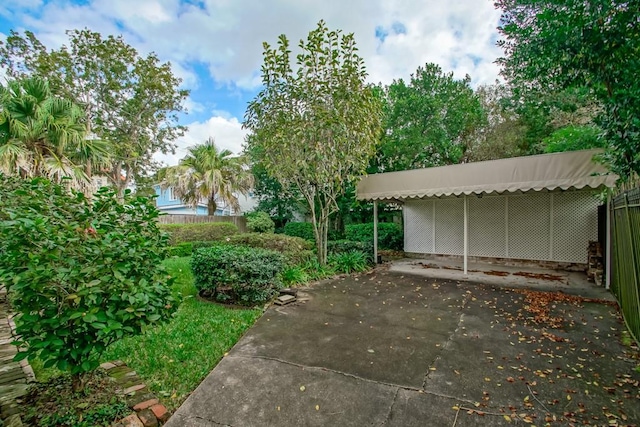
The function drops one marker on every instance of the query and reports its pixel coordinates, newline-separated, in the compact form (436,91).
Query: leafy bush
(349,262)
(317,271)
(54,404)
(390,235)
(206,231)
(300,229)
(82,273)
(294,275)
(337,247)
(295,249)
(182,249)
(237,274)
(260,222)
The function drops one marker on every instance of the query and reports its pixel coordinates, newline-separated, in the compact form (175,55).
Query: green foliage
(175,357)
(44,135)
(303,230)
(129,100)
(349,262)
(294,249)
(572,138)
(238,274)
(427,121)
(314,129)
(279,204)
(199,232)
(53,403)
(82,273)
(294,275)
(550,46)
(260,222)
(337,247)
(181,249)
(208,173)
(390,235)
(317,271)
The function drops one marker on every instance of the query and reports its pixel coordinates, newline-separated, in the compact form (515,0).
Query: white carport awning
(574,169)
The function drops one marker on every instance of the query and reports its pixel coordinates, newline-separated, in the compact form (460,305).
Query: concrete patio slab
(389,348)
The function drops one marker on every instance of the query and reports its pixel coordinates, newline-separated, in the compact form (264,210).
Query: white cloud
(227,132)
(227,36)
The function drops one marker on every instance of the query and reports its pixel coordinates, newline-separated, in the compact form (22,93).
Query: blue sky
(215,46)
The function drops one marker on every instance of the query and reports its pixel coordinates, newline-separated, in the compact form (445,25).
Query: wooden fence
(239,221)
(625,261)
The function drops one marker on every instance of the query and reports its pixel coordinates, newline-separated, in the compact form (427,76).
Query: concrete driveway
(393,349)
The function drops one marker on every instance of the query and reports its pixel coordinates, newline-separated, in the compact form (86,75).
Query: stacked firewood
(595,266)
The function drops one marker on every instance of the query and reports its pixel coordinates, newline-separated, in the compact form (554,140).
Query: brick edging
(146,407)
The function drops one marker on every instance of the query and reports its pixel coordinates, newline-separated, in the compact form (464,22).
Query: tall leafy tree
(427,120)
(131,101)
(44,135)
(209,174)
(553,45)
(315,128)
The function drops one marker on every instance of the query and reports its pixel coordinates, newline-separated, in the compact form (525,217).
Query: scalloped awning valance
(574,169)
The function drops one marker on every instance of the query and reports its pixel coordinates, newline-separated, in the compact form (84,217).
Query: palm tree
(211,174)
(44,135)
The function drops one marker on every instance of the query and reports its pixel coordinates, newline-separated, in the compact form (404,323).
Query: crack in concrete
(356,377)
(446,344)
(196,417)
(393,402)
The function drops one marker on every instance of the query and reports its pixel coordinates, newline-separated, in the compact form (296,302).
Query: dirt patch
(423,265)
(496,273)
(540,276)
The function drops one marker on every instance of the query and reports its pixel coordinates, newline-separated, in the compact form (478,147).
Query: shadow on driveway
(400,350)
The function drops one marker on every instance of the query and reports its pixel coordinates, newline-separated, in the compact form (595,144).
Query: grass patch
(174,358)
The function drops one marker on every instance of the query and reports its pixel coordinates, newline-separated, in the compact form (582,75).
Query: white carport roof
(574,169)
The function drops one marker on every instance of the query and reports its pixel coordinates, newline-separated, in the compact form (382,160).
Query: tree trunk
(211,205)
(78,382)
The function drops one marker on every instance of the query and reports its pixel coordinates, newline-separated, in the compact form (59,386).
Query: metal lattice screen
(529,226)
(449,226)
(537,226)
(487,226)
(419,237)
(575,222)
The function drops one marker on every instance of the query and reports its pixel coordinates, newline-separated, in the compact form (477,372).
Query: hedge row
(390,235)
(238,274)
(207,231)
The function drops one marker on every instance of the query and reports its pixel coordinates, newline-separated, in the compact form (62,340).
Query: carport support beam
(466,233)
(375,231)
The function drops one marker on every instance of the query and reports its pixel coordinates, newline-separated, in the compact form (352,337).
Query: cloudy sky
(215,46)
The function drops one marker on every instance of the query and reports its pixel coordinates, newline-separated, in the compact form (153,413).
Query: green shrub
(260,222)
(82,273)
(182,249)
(316,271)
(238,274)
(294,275)
(390,235)
(349,262)
(300,229)
(337,247)
(295,249)
(335,235)
(206,231)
